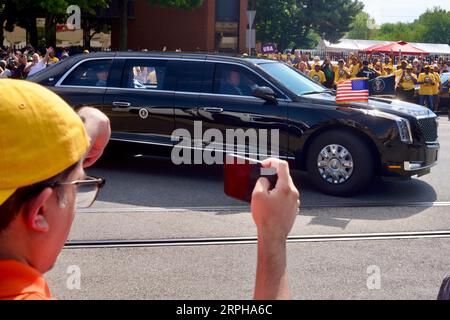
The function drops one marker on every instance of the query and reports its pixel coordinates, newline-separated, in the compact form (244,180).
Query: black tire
(363,163)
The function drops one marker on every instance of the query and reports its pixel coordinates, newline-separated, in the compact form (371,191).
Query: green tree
(123,19)
(2,20)
(25,12)
(292,22)
(435,26)
(364,27)
(398,32)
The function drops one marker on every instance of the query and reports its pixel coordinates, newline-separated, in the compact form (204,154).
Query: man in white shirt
(37,64)
(6,73)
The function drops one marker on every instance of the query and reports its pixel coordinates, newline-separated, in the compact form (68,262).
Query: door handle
(121,104)
(212,109)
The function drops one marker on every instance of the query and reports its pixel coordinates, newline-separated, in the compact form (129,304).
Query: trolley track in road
(247,208)
(208,241)
(94,244)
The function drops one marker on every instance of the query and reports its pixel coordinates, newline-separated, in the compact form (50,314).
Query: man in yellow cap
(318,75)
(341,73)
(355,65)
(406,85)
(427,83)
(388,69)
(44,148)
(379,69)
(437,87)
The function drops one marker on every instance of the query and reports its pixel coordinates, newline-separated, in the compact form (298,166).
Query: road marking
(247,208)
(95,244)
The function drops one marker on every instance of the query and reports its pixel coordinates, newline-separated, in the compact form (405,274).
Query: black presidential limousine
(342,147)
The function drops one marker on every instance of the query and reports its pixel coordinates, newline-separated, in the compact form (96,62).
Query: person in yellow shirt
(52,58)
(388,69)
(400,68)
(388,62)
(318,75)
(316,61)
(355,66)
(405,86)
(427,83)
(379,69)
(437,87)
(341,73)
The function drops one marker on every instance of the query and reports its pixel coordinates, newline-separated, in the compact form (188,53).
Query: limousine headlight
(404,129)
(403,125)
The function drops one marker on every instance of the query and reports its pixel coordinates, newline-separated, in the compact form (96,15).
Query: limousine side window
(144,74)
(234,80)
(92,73)
(189,75)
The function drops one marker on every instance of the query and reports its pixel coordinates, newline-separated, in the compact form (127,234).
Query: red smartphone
(241,174)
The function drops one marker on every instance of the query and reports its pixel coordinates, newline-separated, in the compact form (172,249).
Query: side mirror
(265,93)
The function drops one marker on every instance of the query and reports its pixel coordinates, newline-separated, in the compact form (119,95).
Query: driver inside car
(237,84)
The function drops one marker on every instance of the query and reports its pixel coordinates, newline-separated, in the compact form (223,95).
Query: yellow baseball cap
(40,135)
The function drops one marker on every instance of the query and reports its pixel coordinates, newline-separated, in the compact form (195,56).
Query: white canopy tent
(351,45)
(434,49)
(347,45)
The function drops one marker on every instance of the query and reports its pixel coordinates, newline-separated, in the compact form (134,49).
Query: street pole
(251,18)
(250,24)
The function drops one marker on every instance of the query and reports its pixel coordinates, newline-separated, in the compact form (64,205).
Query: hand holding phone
(241,175)
(274,210)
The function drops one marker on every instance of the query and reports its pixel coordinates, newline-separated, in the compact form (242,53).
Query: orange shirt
(21,282)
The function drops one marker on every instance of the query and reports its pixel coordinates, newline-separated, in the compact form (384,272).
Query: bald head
(35,58)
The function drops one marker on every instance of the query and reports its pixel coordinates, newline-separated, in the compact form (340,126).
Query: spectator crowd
(417,80)
(409,72)
(21,64)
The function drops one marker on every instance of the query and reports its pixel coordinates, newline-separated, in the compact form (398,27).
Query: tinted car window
(93,73)
(144,74)
(234,80)
(189,76)
(291,78)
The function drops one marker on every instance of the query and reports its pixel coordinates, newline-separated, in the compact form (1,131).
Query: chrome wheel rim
(335,164)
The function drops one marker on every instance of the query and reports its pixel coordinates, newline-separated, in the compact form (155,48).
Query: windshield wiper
(316,92)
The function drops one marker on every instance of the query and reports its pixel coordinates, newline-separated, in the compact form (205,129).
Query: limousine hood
(393,106)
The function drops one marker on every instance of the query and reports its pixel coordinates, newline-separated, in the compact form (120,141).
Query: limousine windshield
(291,79)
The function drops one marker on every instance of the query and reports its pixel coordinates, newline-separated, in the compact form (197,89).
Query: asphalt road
(155,201)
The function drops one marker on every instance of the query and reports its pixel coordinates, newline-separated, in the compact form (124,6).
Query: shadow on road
(158,183)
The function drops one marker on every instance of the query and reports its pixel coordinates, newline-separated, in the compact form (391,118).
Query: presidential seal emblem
(378,85)
(143,113)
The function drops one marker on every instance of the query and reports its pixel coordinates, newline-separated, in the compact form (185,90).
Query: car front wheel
(340,163)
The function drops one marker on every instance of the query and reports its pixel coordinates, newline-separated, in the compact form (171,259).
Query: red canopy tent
(397,48)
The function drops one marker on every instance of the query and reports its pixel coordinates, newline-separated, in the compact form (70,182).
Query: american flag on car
(349,91)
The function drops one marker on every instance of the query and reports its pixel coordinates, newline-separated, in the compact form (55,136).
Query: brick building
(218,25)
